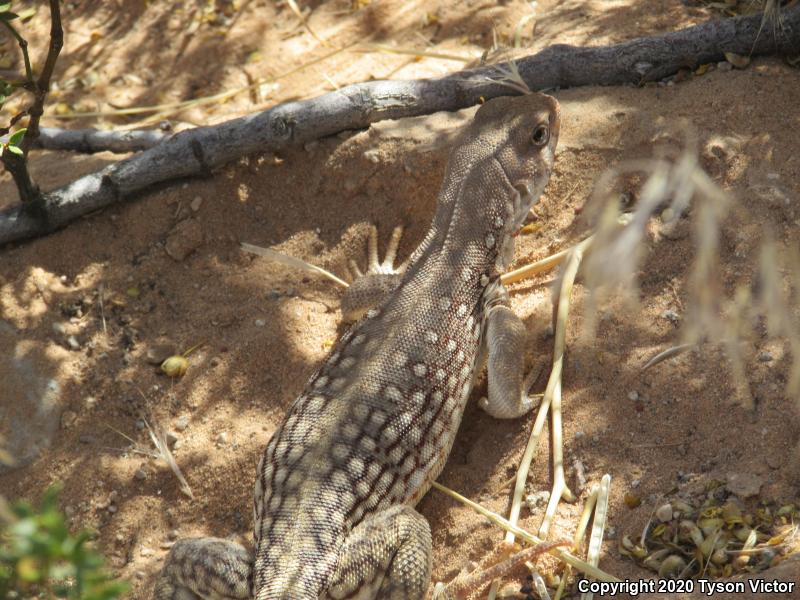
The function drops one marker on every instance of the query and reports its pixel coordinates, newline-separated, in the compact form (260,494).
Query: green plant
(39,555)
(14,151)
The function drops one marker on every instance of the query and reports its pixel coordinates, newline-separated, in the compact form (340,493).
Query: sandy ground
(74,372)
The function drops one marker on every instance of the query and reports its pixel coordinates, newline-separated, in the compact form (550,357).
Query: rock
(68,418)
(184,239)
(196,203)
(181,423)
(158,353)
(140,474)
(671,315)
(537,500)
(633,396)
(744,485)
(260,322)
(73,343)
(222,438)
(171,439)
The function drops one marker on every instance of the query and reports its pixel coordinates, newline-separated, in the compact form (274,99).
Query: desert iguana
(336,486)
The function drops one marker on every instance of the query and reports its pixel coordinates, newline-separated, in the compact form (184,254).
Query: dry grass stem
(561,554)
(677,187)
(304,21)
(667,354)
(367,48)
(598,527)
(159,440)
(291,261)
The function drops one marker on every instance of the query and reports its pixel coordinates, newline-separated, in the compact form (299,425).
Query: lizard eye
(540,135)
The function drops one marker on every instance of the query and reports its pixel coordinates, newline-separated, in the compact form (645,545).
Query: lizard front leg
(205,569)
(368,289)
(505,343)
(386,557)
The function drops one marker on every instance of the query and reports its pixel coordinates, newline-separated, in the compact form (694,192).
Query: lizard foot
(368,289)
(374,266)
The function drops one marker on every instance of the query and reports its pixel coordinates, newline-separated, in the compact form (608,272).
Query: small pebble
(215,361)
(140,425)
(173,535)
(181,423)
(765,357)
(222,438)
(260,322)
(68,418)
(636,483)
(146,552)
(86,439)
(537,500)
(171,439)
(89,401)
(59,328)
(140,474)
(671,315)
(633,395)
(73,343)
(196,203)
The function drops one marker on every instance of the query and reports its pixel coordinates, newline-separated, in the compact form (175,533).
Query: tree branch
(89,141)
(198,151)
(16,164)
(43,83)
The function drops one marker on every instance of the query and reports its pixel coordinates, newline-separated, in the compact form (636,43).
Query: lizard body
(336,486)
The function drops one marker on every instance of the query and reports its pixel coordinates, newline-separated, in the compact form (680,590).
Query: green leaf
(14,140)
(5,7)
(16,150)
(27,14)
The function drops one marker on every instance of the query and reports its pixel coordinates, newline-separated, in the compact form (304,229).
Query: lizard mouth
(524,199)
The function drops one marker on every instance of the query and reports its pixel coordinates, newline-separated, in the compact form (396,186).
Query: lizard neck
(475,216)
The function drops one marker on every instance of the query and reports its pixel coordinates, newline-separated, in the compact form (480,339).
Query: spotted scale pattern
(337,482)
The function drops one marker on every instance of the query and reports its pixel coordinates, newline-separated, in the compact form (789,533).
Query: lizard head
(516,142)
